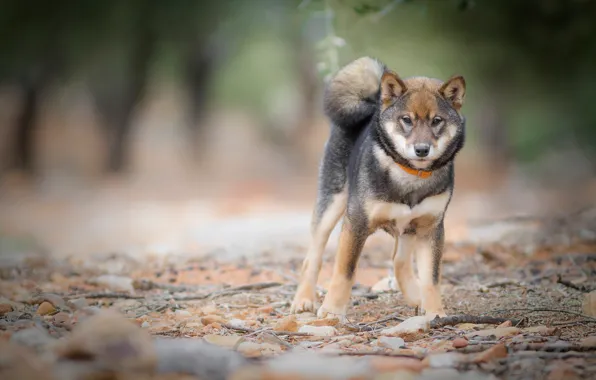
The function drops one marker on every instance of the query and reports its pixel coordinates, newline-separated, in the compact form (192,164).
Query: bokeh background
(193,126)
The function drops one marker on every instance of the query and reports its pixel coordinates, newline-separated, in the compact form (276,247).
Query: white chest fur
(401,215)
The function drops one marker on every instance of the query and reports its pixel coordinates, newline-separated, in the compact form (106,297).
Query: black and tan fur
(386,132)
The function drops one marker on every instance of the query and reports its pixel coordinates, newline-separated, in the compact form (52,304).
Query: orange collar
(417,173)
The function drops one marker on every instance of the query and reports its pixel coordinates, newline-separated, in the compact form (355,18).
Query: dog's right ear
(392,87)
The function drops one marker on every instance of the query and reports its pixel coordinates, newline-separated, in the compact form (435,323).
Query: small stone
(145,324)
(62,319)
(52,298)
(588,342)
(251,349)
(209,319)
(182,314)
(286,324)
(505,324)
(229,341)
(460,342)
(114,283)
(393,343)
(77,303)
(411,329)
(45,308)
(265,309)
(589,304)
(498,332)
(387,364)
(384,285)
(112,342)
(237,323)
(445,360)
(318,330)
(5,308)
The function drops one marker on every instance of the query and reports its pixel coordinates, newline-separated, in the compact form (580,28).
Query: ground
(522,288)
(243,303)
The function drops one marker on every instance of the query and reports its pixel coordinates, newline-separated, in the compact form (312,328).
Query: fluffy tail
(352,94)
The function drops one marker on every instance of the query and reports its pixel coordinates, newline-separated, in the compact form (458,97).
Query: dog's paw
(332,312)
(303,305)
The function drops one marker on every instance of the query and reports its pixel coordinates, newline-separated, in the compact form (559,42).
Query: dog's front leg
(429,253)
(351,241)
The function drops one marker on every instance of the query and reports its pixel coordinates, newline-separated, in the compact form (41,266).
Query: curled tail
(351,96)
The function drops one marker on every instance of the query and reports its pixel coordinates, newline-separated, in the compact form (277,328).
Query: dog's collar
(418,173)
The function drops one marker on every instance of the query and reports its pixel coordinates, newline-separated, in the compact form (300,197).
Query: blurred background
(191,126)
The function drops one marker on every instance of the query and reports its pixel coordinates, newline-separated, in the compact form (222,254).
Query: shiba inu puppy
(388,164)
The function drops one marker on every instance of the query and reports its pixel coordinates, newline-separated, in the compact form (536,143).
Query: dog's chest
(399,216)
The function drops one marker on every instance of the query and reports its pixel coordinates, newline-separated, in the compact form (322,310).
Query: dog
(388,164)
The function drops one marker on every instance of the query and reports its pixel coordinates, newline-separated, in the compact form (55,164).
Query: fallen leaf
(505,324)
(324,322)
(209,319)
(410,330)
(496,352)
(5,308)
(498,332)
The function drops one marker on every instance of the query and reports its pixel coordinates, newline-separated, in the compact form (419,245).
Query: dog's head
(420,120)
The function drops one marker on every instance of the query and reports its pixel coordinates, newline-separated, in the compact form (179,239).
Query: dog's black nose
(422,150)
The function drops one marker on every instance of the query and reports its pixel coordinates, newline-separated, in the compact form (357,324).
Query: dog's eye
(436,121)
(407,120)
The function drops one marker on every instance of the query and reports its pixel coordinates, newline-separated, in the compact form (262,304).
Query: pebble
(209,319)
(77,303)
(52,298)
(5,308)
(286,324)
(460,342)
(62,319)
(393,343)
(182,314)
(114,283)
(409,329)
(318,330)
(45,308)
(113,343)
(384,285)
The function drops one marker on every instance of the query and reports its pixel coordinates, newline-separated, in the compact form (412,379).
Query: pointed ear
(391,88)
(454,91)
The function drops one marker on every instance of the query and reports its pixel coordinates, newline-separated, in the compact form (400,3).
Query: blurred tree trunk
(24,150)
(199,65)
(118,114)
(308,86)
(493,134)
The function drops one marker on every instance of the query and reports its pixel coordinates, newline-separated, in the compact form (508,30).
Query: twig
(571,285)
(534,310)
(453,320)
(157,309)
(391,317)
(229,291)
(376,353)
(252,331)
(106,295)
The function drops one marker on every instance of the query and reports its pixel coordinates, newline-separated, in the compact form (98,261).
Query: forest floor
(526,307)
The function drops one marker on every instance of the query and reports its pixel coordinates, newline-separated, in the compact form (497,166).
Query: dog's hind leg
(328,211)
(351,242)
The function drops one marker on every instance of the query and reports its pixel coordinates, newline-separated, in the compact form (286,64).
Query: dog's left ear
(454,91)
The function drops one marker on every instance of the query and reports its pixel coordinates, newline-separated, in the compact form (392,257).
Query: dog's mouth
(421,163)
